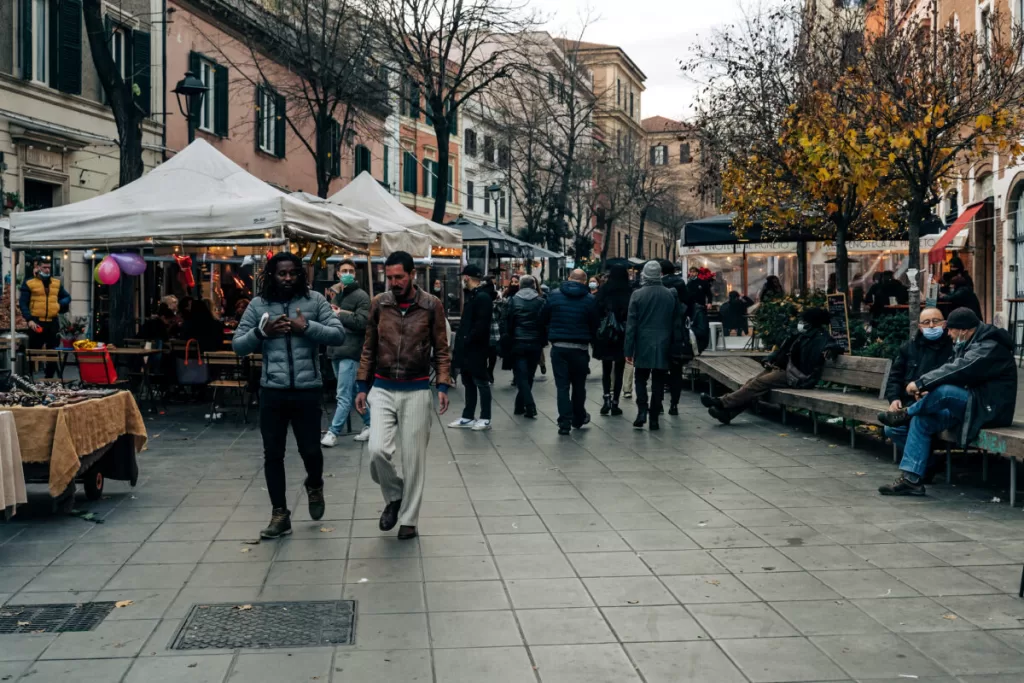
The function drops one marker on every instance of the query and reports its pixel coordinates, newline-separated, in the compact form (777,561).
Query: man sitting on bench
(977,388)
(797,364)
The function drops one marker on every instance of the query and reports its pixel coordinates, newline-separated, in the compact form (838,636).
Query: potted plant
(71,329)
(12,200)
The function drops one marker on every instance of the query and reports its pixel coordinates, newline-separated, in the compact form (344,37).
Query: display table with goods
(69,434)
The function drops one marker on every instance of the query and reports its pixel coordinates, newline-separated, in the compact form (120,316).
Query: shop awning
(720,230)
(938,252)
(500,244)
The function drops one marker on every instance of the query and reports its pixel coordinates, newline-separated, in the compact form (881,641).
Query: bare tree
(450,51)
(671,214)
(613,197)
(312,67)
(650,185)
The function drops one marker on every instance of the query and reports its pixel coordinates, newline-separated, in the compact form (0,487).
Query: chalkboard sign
(839,324)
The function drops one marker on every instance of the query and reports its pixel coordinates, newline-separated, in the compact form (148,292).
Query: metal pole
(14,283)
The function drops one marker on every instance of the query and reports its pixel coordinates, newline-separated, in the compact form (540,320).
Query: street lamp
(190,91)
(494,189)
(629,243)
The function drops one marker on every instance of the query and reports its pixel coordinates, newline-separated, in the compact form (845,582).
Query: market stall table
(12,478)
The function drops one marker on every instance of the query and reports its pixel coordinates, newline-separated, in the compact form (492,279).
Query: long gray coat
(654,326)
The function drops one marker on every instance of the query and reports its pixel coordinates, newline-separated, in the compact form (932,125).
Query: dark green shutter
(429,110)
(194,65)
(386,182)
(426,178)
(52,77)
(259,116)
(414,101)
(141,66)
(280,122)
(25,38)
(450,176)
(69,47)
(409,173)
(220,100)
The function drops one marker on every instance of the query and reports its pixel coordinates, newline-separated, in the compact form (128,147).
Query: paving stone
(653,623)
(111,639)
(462,596)
(473,629)
(693,661)
(672,562)
(708,588)
(865,583)
(877,656)
(195,669)
(769,660)
(583,664)
(307,664)
(77,671)
(608,564)
(491,664)
(541,593)
(385,665)
(385,598)
(939,581)
(787,586)
(913,615)
(826,617)
(550,566)
(565,626)
(741,620)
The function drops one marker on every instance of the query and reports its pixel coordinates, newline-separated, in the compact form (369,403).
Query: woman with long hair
(613,305)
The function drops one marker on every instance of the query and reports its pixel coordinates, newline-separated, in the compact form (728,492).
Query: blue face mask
(932,333)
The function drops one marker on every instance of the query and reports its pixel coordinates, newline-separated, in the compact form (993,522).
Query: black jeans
(474,385)
(571,367)
(524,367)
(675,380)
(612,369)
(45,338)
(657,378)
(301,408)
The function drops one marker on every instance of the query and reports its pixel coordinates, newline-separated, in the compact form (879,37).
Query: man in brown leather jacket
(405,334)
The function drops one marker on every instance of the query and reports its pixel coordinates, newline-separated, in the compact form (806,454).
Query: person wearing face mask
(930,348)
(472,345)
(43,298)
(796,364)
(352,306)
(976,388)
(437,289)
(592,286)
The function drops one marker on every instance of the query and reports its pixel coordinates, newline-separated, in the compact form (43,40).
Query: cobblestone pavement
(751,553)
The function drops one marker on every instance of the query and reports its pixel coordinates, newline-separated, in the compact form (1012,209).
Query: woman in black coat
(963,296)
(612,302)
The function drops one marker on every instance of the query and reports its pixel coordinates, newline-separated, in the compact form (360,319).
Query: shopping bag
(192,370)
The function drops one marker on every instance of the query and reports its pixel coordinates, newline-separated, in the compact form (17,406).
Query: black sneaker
(673,409)
(280,524)
(902,487)
(616,410)
(563,430)
(641,418)
(586,421)
(389,518)
(317,505)
(654,423)
(530,414)
(894,418)
(720,414)
(709,401)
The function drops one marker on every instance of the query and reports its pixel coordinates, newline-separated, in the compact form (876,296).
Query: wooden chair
(44,357)
(230,372)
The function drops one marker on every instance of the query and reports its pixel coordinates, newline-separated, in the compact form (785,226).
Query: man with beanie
(654,327)
(352,306)
(472,349)
(796,364)
(977,388)
(683,351)
(571,318)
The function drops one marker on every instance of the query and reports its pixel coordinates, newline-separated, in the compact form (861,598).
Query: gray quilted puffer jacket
(291,361)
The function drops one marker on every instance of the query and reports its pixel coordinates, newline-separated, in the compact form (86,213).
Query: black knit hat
(962,319)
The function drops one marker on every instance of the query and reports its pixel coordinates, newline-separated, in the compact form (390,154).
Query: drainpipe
(163,80)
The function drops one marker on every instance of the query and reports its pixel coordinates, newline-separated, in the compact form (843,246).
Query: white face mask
(801,327)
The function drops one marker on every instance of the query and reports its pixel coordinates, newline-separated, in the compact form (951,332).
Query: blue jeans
(345,370)
(943,408)
(898,435)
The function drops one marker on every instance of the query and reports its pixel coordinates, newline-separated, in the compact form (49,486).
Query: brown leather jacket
(404,346)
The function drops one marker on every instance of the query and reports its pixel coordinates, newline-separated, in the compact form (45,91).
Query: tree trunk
(441,200)
(916,218)
(322,123)
(605,226)
(640,234)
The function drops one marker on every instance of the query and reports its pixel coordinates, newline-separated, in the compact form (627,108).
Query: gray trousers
(400,420)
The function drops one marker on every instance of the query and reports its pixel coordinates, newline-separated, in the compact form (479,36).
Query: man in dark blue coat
(571,318)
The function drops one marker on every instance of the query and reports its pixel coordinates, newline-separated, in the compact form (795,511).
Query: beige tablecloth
(61,436)
(12,477)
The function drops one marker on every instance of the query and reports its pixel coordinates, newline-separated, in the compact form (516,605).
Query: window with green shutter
(451,184)
(414,100)
(409,164)
(363,159)
(386,155)
(270,121)
(142,64)
(69,47)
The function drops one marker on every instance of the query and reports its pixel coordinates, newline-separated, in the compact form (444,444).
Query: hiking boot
(315,497)
(530,413)
(641,418)
(709,401)
(606,407)
(654,423)
(902,487)
(406,532)
(586,421)
(389,518)
(616,410)
(673,409)
(894,418)
(280,524)
(563,430)
(721,414)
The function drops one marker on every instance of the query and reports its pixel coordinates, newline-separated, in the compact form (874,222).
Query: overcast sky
(656,34)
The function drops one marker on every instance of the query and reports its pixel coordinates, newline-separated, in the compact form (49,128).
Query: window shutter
(52,75)
(428,110)
(220,100)
(335,149)
(280,123)
(259,115)
(451,175)
(386,154)
(469,194)
(69,47)
(193,65)
(141,65)
(414,101)
(409,172)
(654,158)
(426,178)
(487,201)
(25,38)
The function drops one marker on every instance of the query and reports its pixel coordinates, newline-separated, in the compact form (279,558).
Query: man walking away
(977,388)
(405,336)
(571,319)
(41,299)
(930,348)
(291,383)
(683,351)
(654,327)
(472,349)
(525,339)
(796,364)
(613,306)
(352,306)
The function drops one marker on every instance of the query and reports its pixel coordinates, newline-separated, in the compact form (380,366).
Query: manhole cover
(267,625)
(61,618)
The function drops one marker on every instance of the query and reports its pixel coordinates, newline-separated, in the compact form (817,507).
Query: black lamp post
(190,91)
(629,243)
(494,189)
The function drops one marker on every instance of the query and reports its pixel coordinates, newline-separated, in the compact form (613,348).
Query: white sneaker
(363,435)
(481,425)
(330,440)
(462,423)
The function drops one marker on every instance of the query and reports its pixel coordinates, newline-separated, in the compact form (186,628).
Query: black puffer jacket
(985,367)
(917,357)
(522,322)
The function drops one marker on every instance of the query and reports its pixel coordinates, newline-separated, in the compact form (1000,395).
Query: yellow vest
(43,305)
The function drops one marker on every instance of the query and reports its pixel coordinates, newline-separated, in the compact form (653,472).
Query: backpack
(611,331)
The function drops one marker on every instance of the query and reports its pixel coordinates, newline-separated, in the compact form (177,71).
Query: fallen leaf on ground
(860,474)
(996,499)
(123,603)
(713,582)
(326,529)
(243,608)
(256,542)
(24,623)
(193,665)
(831,445)
(950,617)
(783,434)
(245,550)
(633,602)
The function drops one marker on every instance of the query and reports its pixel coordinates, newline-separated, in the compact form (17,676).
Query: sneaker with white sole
(330,440)
(363,435)
(462,423)
(481,425)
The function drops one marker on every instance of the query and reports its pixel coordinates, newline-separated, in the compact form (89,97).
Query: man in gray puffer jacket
(275,325)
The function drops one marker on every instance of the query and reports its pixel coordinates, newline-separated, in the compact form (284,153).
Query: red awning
(938,252)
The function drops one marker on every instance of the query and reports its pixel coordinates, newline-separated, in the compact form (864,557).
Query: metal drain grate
(62,618)
(267,625)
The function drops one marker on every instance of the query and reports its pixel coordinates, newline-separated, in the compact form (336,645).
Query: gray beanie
(651,272)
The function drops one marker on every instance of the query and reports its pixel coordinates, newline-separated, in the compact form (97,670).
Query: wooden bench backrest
(858,371)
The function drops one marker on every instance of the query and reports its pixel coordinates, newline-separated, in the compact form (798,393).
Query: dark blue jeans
(943,408)
(571,367)
(524,367)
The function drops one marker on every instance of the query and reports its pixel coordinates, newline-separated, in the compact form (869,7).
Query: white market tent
(365,194)
(199,195)
(391,236)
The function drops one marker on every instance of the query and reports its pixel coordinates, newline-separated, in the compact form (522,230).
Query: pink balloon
(130,264)
(109,272)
